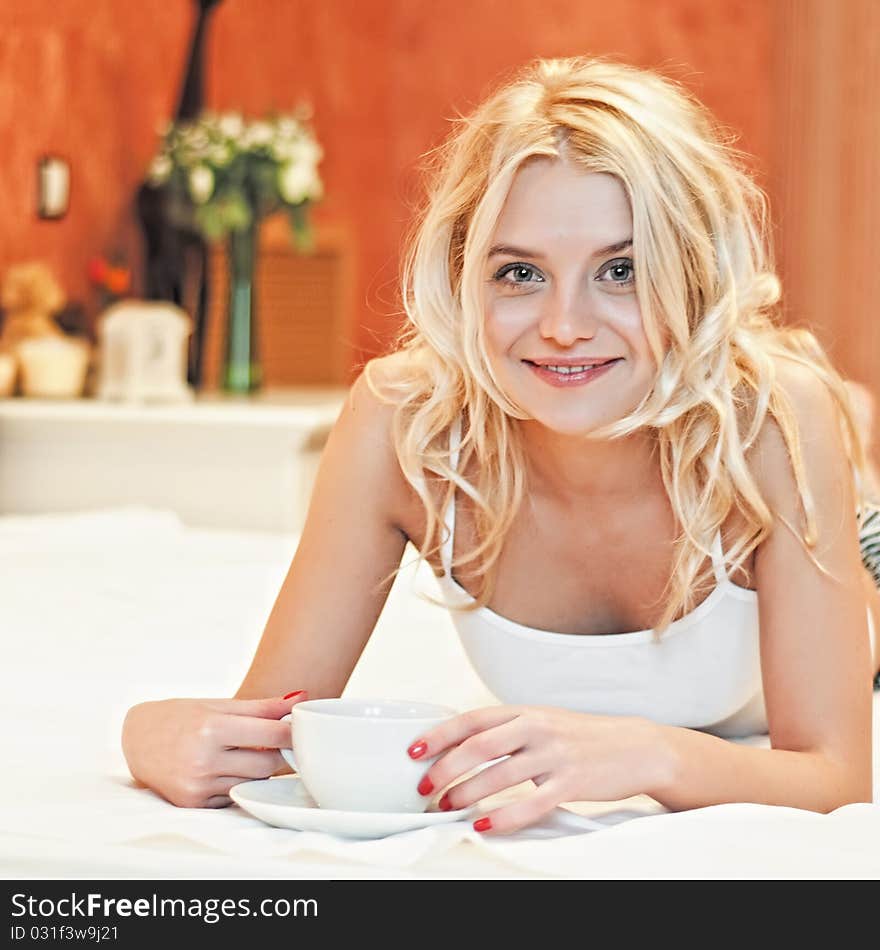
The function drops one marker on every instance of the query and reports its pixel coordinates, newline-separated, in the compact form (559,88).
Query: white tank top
(704,673)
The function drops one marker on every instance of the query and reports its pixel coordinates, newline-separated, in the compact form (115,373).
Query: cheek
(501,330)
(506,322)
(632,328)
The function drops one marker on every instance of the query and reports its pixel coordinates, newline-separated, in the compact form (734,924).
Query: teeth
(567,370)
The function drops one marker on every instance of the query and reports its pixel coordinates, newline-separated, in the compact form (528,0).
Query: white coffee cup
(351,754)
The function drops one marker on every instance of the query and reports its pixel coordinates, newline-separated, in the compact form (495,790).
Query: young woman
(641,493)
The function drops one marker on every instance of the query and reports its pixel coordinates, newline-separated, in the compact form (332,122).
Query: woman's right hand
(192,751)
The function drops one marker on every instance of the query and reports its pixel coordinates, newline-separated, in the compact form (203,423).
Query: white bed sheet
(100,610)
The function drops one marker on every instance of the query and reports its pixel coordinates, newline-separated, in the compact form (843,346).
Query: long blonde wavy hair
(706,287)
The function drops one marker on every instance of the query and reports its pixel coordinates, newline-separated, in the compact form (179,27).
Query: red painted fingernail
(482,824)
(426,786)
(294,693)
(444,804)
(417,749)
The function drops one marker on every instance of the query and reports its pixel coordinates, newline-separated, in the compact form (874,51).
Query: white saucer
(283,802)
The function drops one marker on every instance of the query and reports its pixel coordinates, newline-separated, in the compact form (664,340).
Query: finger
(250,732)
(219,801)
(500,740)
(458,728)
(521,814)
(218,791)
(250,764)
(506,774)
(273,707)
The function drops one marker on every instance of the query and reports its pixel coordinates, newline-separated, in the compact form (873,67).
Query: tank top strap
(449,516)
(718,559)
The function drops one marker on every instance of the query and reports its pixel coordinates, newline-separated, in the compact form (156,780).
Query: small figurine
(47,361)
(29,297)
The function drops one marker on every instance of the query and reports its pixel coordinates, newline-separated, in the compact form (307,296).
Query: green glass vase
(242,371)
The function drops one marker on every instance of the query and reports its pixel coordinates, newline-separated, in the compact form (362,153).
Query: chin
(567,413)
(575,426)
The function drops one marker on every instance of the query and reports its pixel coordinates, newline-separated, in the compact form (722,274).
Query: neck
(575,469)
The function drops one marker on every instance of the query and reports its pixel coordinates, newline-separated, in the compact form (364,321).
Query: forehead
(552,199)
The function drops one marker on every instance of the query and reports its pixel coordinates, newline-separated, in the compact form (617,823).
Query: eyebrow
(512,251)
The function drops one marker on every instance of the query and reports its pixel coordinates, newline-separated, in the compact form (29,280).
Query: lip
(561,381)
(572,360)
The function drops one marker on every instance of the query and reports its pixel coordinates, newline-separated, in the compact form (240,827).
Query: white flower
(288,128)
(200,152)
(199,141)
(201,184)
(282,152)
(231,125)
(298,152)
(296,182)
(308,151)
(160,169)
(221,155)
(259,133)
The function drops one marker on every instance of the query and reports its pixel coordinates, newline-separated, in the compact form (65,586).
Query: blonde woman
(640,493)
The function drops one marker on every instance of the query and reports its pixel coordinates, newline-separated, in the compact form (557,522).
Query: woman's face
(560,290)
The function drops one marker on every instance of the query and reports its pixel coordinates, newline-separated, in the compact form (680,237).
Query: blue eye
(518,269)
(621,271)
(623,263)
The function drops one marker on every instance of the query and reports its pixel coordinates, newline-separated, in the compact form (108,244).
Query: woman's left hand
(571,757)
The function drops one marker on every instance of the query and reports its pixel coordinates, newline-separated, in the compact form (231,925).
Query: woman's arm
(331,597)
(815,652)
(192,751)
(707,770)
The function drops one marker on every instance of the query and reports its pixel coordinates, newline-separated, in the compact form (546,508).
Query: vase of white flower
(242,370)
(225,174)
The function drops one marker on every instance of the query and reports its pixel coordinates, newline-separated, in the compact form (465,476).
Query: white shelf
(304,405)
(220,461)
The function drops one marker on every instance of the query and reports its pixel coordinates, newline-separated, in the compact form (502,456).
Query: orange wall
(93,80)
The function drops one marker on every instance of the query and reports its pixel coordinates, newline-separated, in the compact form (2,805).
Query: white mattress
(104,609)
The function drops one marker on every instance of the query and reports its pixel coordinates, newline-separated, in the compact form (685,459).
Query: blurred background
(88,88)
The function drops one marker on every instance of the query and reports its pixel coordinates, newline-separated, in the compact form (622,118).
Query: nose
(567,318)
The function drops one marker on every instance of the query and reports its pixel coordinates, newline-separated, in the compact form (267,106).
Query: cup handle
(287,754)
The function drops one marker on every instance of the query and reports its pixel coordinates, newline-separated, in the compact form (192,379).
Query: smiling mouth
(568,370)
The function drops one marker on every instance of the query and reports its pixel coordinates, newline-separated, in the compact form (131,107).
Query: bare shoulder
(813,412)
(370,408)
(365,409)
(820,439)
(379,387)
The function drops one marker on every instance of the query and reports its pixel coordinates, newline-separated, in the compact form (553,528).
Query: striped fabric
(869,539)
(869,542)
